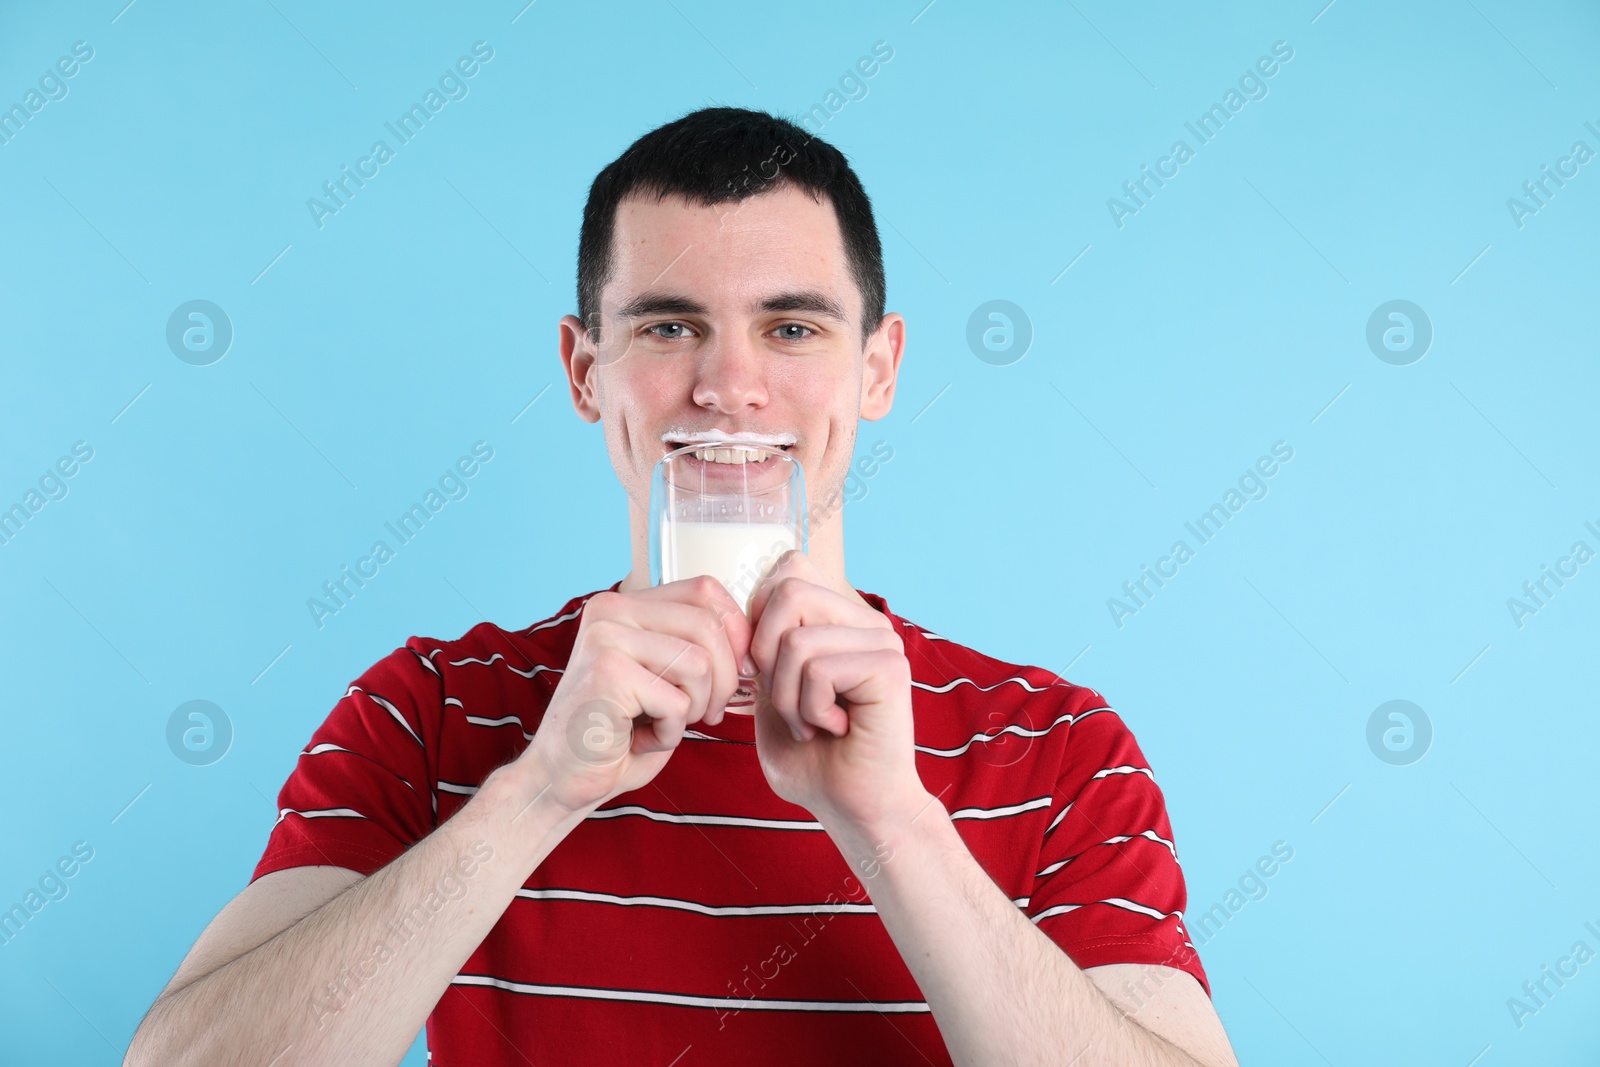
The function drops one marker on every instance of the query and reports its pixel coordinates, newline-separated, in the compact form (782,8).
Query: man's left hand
(835,672)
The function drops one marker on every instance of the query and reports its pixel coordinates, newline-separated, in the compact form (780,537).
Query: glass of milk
(725,510)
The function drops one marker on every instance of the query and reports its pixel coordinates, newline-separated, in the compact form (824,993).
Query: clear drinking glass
(725,517)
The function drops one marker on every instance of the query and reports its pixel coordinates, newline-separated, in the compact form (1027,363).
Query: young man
(568,844)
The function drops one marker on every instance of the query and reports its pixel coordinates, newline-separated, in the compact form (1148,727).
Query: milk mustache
(738,554)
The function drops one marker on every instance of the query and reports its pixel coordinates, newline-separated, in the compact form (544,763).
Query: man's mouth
(730,448)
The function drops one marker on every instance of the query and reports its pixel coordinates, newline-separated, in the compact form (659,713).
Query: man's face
(735,317)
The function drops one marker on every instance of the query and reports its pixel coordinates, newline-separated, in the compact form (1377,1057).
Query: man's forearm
(354,981)
(1000,990)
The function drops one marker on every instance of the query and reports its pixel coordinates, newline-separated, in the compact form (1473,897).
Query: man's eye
(666,326)
(794,326)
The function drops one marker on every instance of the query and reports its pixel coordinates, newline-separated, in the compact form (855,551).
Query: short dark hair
(721,154)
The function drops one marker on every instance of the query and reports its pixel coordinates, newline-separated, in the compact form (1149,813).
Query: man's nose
(731,375)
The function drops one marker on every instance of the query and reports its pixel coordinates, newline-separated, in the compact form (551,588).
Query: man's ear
(578,357)
(880,366)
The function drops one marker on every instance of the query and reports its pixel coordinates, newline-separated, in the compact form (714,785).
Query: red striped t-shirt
(703,920)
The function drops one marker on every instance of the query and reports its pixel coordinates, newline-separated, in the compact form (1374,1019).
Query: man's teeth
(734,454)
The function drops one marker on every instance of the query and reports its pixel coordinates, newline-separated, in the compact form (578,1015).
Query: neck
(825,548)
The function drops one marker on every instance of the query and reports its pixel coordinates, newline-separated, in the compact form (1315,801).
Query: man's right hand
(646,665)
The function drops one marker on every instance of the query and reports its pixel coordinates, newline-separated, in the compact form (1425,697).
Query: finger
(856,678)
(884,652)
(711,595)
(792,564)
(688,613)
(664,709)
(804,643)
(666,662)
(637,714)
(789,600)
(658,735)
(783,608)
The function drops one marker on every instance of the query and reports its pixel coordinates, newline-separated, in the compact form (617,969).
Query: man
(569,844)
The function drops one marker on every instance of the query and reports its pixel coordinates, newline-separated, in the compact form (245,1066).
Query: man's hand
(645,665)
(835,673)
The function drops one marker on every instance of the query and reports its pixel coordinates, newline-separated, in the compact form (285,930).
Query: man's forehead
(782,221)
(776,251)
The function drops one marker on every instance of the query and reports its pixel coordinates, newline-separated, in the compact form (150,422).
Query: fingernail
(749,667)
(798,736)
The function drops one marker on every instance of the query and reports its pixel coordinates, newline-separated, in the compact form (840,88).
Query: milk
(738,554)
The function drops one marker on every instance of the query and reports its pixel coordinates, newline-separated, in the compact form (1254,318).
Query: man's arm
(835,734)
(262,910)
(999,988)
(355,979)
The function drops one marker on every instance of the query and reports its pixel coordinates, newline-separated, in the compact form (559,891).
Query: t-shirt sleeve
(1109,888)
(363,789)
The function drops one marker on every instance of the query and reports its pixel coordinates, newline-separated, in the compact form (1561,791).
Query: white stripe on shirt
(1115,902)
(685,1001)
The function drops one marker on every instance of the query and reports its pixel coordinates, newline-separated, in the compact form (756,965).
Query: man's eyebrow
(659,304)
(811,300)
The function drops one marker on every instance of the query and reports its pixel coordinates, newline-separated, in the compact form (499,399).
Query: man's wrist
(523,789)
(867,843)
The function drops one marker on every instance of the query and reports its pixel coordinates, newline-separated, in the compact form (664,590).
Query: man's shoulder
(1011,715)
(973,684)
(487,650)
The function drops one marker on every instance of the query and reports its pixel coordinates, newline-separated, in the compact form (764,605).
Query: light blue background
(1223,317)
